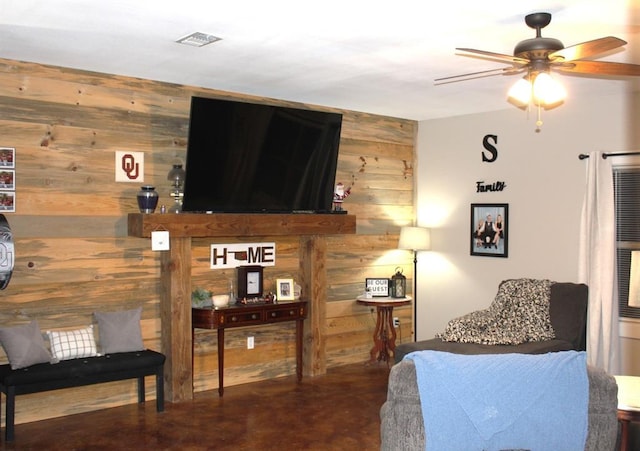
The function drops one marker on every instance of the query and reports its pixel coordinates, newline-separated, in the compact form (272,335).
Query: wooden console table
(384,337)
(175,278)
(249,315)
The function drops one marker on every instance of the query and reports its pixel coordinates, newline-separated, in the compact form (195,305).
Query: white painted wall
(544,189)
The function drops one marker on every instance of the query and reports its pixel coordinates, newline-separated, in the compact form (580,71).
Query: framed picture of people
(490,230)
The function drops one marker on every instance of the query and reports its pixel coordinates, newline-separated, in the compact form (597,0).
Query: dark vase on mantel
(147,199)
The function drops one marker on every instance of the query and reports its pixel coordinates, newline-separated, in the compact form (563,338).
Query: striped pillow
(72,344)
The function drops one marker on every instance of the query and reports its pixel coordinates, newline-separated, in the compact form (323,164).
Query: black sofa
(568,312)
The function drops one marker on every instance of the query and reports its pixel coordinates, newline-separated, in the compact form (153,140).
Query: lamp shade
(520,93)
(176,176)
(415,238)
(547,91)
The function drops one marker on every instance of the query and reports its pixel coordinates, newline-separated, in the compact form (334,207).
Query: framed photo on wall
(7,157)
(7,201)
(489,230)
(7,179)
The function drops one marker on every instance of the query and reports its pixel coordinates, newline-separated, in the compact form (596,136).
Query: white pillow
(72,344)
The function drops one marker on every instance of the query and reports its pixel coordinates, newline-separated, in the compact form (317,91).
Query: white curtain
(597,265)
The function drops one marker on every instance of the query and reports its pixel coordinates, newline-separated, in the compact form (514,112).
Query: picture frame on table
(490,230)
(285,290)
(377,287)
(250,281)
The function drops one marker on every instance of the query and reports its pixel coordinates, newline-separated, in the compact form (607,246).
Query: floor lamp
(415,239)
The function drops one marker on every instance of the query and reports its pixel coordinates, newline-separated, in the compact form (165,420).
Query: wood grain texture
(240,225)
(175,313)
(74,255)
(313,274)
(175,275)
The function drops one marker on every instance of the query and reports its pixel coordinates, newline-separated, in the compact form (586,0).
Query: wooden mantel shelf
(240,225)
(175,278)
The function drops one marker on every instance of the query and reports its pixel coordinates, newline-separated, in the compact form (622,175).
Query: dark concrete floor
(337,411)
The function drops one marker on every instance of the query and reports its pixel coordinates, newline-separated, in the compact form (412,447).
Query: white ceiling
(372,56)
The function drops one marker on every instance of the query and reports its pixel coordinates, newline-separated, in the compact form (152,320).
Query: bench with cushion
(78,372)
(72,359)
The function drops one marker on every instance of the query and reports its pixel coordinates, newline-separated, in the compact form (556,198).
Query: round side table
(384,337)
(628,406)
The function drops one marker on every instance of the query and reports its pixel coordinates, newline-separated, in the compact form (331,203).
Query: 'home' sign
(242,254)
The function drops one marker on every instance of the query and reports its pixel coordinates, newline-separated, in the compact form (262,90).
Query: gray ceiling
(370,56)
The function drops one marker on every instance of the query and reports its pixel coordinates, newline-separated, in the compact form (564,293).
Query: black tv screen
(248,158)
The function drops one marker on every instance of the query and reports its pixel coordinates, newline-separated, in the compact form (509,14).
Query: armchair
(402,425)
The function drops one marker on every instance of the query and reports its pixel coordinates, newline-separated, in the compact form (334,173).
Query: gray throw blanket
(518,314)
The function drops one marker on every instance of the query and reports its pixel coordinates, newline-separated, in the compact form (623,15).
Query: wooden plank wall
(73,255)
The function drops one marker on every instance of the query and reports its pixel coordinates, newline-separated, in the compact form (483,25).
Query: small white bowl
(220,300)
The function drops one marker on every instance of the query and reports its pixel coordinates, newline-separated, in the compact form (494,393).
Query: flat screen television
(252,158)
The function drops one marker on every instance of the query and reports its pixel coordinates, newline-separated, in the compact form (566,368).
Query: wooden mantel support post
(175,275)
(175,317)
(313,274)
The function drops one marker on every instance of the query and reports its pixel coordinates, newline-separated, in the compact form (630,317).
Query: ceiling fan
(541,55)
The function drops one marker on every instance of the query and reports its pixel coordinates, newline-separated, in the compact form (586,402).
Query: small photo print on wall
(489,230)
(7,179)
(7,201)
(7,157)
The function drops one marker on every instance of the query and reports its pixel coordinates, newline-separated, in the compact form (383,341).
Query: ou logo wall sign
(129,166)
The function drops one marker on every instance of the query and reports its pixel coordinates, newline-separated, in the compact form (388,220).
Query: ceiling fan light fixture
(548,92)
(520,93)
(544,92)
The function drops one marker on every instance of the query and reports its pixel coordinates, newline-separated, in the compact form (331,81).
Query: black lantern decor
(398,284)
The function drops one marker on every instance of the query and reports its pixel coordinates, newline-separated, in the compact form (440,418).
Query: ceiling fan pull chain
(539,121)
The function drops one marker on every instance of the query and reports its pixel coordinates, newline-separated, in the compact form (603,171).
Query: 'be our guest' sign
(377,287)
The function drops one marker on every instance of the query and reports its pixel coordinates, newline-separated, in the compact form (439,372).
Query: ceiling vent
(198,39)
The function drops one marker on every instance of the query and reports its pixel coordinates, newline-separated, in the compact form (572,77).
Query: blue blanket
(503,401)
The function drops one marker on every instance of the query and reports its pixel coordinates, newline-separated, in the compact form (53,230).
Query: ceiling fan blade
(496,56)
(588,49)
(599,68)
(473,75)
